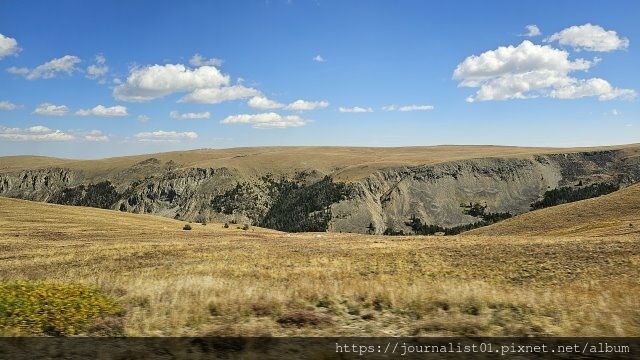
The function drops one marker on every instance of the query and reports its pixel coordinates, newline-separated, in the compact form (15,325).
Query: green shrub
(34,308)
(187,227)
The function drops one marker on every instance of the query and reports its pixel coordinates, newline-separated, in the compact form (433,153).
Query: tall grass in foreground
(232,282)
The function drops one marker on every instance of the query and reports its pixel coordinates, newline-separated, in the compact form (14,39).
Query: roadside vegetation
(212,280)
(57,309)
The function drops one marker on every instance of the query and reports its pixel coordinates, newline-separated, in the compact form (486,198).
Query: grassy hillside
(44,222)
(227,281)
(344,163)
(617,213)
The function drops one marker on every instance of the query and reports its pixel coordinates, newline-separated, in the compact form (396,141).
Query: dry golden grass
(617,213)
(345,163)
(216,281)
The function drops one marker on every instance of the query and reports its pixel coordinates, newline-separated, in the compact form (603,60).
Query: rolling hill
(51,222)
(617,213)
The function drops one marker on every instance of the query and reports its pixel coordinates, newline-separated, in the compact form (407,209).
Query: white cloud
(156,81)
(34,133)
(8,46)
(529,70)
(592,87)
(143,118)
(6,105)
(589,37)
(65,64)
(318,58)
(532,30)
(355,109)
(266,120)
(261,102)
(202,115)
(303,105)
(104,111)
(615,112)
(18,71)
(415,108)
(99,69)
(197,60)
(51,109)
(407,108)
(522,59)
(218,95)
(165,136)
(95,135)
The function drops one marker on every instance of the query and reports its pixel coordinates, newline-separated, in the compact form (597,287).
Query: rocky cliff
(306,199)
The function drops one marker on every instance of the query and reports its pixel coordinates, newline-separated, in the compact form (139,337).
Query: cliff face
(435,193)
(37,185)
(310,200)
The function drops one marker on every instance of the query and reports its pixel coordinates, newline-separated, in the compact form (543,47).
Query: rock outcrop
(384,199)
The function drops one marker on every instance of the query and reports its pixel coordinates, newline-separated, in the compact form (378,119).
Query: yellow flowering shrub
(42,308)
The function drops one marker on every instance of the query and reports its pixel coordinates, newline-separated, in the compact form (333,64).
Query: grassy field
(227,281)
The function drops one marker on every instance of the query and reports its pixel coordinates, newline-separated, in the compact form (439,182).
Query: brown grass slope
(345,163)
(42,221)
(617,213)
(217,281)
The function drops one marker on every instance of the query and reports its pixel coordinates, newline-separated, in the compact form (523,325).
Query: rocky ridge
(383,198)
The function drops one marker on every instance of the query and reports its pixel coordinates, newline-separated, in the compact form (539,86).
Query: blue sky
(83,79)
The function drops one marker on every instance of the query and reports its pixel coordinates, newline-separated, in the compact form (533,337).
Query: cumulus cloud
(197,60)
(156,81)
(266,120)
(355,109)
(218,95)
(177,115)
(34,133)
(318,58)
(48,70)
(592,87)
(589,37)
(165,136)
(303,105)
(7,105)
(407,108)
(104,111)
(263,103)
(96,136)
(532,30)
(99,69)
(49,109)
(529,70)
(143,118)
(8,46)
